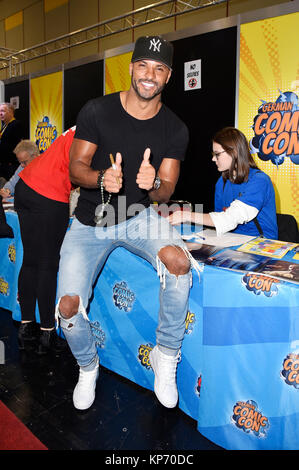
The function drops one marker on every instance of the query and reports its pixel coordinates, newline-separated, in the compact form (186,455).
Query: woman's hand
(5,193)
(179,217)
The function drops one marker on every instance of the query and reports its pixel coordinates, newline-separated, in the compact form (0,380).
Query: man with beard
(126,153)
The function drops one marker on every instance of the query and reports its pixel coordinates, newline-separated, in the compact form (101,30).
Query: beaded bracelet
(100,177)
(100,184)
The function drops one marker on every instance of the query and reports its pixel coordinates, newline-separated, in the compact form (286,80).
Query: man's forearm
(83,175)
(163,194)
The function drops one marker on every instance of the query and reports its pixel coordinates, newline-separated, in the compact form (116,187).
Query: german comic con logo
(246,416)
(189,322)
(290,371)
(259,284)
(4,287)
(45,134)
(143,355)
(12,253)
(98,334)
(123,297)
(276,130)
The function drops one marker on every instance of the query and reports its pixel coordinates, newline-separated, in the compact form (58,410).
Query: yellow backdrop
(117,76)
(46,106)
(268,102)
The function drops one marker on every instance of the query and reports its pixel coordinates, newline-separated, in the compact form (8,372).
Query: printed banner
(269,102)
(117,76)
(46,109)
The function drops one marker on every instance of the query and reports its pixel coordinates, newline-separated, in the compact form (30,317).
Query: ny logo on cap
(155,44)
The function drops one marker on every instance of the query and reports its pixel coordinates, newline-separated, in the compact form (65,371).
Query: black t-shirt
(104,122)
(9,140)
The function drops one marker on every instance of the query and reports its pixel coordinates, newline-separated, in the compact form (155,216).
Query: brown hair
(235,144)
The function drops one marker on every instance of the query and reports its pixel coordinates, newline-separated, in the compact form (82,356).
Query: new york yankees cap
(153,48)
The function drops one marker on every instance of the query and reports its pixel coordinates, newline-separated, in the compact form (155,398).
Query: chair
(287,228)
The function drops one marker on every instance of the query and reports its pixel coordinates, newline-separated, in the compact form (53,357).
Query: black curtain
(81,84)
(20,89)
(205,110)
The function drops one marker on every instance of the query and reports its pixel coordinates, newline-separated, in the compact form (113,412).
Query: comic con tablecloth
(239,373)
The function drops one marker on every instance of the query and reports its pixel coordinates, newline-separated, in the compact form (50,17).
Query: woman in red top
(42,204)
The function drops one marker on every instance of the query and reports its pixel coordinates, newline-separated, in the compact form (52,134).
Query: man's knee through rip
(69,305)
(174,259)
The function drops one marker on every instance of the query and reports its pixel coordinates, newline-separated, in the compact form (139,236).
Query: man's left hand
(147,173)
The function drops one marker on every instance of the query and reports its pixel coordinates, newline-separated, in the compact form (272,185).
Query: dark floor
(123,417)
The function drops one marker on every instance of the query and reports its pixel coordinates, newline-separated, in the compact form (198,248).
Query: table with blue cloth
(239,373)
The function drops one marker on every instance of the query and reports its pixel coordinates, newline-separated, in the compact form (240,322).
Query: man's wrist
(100,178)
(156,184)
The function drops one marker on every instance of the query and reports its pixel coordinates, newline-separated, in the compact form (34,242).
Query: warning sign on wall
(193,75)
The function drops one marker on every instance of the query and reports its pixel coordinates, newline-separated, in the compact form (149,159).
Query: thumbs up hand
(113,176)
(146,174)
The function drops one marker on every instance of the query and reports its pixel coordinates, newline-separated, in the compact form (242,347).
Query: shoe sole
(166,404)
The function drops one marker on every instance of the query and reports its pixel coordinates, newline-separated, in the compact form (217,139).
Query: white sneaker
(164,367)
(84,392)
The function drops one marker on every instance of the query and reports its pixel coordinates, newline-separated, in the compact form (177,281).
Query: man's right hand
(113,177)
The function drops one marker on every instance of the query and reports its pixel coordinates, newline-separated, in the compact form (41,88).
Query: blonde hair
(27,146)
(9,106)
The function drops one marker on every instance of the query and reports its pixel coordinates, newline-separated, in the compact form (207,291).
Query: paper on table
(209,237)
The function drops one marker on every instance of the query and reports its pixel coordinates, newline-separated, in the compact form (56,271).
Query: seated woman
(244,195)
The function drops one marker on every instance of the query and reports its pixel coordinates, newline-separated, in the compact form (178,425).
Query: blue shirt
(10,185)
(258,192)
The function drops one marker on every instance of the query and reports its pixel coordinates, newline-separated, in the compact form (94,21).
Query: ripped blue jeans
(83,254)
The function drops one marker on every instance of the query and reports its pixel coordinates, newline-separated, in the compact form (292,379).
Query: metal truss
(13,60)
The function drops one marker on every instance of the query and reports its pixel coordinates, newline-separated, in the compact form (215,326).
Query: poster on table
(269,103)
(46,109)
